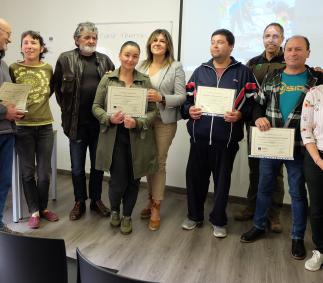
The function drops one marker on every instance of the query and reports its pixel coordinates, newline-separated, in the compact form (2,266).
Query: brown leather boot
(274,224)
(78,210)
(146,212)
(154,222)
(100,208)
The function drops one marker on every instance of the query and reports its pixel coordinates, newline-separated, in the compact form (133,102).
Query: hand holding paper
(195,112)
(129,122)
(117,118)
(233,116)
(263,124)
(154,96)
(12,113)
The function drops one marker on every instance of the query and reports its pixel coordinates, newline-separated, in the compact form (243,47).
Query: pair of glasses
(7,32)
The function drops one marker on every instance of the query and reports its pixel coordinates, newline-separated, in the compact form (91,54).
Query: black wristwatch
(163,99)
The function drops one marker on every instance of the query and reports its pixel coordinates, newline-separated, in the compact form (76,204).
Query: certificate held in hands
(215,101)
(276,143)
(15,94)
(131,101)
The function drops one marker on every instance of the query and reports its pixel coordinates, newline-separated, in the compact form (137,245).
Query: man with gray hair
(76,77)
(8,114)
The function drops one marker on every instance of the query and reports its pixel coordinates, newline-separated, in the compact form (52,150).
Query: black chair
(91,273)
(32,260)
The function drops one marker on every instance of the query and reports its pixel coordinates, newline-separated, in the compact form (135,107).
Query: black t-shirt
(89,82)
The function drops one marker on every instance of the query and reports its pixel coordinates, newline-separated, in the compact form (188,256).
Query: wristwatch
(163,99)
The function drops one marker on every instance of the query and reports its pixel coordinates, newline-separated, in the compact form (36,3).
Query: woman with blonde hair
(168,80)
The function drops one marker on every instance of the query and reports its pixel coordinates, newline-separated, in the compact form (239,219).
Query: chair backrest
(32,260)
(91,273)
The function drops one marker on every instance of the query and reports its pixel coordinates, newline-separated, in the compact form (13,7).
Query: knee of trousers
(265,190)
(298,195)
(317,213)
(76,172)
(28,177)
(45,178)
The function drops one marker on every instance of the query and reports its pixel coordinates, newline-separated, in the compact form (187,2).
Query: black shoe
(252,235)
(298,249)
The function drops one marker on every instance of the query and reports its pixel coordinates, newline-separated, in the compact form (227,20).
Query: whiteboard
(113,35)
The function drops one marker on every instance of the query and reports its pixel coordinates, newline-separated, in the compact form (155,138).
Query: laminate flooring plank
(171,254)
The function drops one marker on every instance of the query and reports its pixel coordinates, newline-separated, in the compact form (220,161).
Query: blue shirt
(291,88)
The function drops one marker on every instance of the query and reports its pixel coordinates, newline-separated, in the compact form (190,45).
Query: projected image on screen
(247,20)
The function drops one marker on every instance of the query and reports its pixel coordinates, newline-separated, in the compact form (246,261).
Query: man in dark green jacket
(270,60)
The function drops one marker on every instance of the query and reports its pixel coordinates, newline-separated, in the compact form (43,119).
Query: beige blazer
(171,84)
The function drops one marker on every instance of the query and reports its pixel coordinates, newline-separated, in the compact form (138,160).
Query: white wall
(58,19)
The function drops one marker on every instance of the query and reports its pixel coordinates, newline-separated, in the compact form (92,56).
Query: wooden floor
(171,254)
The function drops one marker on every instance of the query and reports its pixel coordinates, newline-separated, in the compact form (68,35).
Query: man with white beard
(76,77)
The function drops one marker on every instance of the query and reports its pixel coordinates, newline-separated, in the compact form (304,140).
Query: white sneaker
(315,262)
(219,231)
(189,224)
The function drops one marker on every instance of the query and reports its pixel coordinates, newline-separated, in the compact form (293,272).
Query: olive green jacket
(143,148)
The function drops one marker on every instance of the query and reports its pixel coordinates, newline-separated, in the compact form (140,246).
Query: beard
(87,49)
(4,47)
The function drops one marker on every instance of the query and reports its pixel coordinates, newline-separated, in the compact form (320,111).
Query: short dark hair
(228,35)
(307,42)
(275,25)
(35,35)
(131,43)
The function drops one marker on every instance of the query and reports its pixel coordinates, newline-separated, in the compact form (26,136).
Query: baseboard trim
(178,190)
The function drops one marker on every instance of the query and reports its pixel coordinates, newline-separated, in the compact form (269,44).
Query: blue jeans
(269,169)
(7,142)
(34,145)
(78,150)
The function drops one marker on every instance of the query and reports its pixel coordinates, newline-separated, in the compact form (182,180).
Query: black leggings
(314,180)
(122,185)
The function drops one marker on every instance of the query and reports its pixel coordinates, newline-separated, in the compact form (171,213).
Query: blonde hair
(169,55)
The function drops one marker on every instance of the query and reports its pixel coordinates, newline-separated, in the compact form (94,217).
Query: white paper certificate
(15,94)
(276,143)
(131,101)
(214,101)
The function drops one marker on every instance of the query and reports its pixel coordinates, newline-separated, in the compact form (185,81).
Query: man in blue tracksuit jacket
(214,139)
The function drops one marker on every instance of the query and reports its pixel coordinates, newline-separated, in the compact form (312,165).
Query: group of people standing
(270,91)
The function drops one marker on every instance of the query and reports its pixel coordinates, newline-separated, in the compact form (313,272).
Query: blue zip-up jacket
(213,128)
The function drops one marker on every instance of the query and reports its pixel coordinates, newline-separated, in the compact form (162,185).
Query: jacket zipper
(217,85)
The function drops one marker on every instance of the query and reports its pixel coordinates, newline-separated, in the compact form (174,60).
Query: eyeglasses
(7,32)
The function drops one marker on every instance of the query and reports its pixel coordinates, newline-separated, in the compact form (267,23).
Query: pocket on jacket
(68,84)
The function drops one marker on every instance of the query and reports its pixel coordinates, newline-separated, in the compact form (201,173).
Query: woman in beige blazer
(168,80)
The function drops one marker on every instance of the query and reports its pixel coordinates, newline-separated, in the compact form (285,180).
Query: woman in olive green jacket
(126,146)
